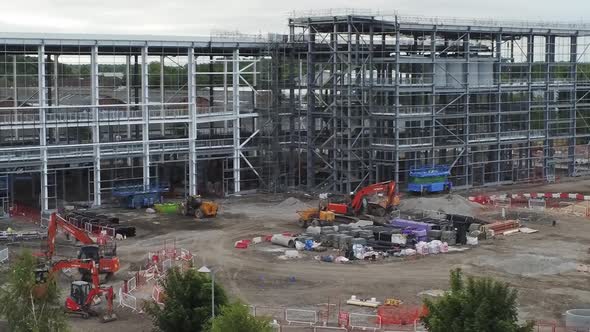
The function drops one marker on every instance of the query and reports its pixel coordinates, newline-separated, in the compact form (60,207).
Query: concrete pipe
(281,240)
(578,319)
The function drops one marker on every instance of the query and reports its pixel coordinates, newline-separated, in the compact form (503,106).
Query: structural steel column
(530,58)
(236,113)
(548,146)
(310,123)
(162,95)
(574,105)
(42,94)
(95,123)
(145,132)
(433,95)
(15,94)
(192,125)
(498,55)
(396,83)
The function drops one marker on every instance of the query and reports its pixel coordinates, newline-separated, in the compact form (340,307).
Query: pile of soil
(454,204)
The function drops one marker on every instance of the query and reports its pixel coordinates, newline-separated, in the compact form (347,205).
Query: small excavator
(82,293)
(195,206)
(104,253)
(361,202)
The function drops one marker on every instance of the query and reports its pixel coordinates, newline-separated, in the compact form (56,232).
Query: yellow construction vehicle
(315,217)
(196,206)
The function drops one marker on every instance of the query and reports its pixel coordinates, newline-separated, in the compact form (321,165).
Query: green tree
(187,302)
(27,306)
(237,318)
(474,305)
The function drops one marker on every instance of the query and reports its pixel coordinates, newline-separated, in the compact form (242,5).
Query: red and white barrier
(486,199)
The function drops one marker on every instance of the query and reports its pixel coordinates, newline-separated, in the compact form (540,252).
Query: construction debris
(372,303)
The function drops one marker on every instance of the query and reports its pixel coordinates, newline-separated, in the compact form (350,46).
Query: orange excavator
(103,254)
(375,200)
(386,201)
(82,293)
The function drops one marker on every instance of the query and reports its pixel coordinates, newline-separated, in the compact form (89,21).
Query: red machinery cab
(79,291)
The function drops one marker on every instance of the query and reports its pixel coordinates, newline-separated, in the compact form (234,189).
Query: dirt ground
(540,265)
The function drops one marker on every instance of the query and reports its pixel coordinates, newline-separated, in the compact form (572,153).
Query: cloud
(200,17)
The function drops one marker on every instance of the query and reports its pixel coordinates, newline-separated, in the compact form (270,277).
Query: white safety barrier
(166,265)
(297,316)
(127,300)
(503,202)
(537,204)
(157,294)
(4,255)
(185,255)
(364,322)
(131,285)
(151,273)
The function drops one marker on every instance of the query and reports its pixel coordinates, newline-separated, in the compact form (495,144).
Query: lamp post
(205,269)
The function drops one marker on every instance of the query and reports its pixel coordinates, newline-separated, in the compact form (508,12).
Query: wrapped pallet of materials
(422,248)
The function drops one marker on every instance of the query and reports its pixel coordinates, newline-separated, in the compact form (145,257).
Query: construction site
(330,177)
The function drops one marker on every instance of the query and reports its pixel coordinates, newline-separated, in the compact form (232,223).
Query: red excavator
(82,293)
(384,204)
(103,254)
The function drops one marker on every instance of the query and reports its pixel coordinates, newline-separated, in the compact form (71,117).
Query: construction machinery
(103,253)
(82,293)
(316,216)
(195,206)
(430,179)
(374,200)
(377,199)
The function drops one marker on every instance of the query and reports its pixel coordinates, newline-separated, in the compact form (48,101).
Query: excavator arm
(387,187)
(87,264)
(54,222)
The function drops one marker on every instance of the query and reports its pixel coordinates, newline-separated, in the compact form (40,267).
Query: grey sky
(199,17)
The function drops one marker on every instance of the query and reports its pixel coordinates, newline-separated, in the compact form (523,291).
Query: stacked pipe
(79,218)
(502,226)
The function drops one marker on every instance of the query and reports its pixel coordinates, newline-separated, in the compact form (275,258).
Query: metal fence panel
(4,255)
(298,316)
(364,322)
(131,285)
(166,265)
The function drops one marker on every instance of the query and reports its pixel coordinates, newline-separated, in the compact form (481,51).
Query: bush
(480,304)
(237,318)
(187,302)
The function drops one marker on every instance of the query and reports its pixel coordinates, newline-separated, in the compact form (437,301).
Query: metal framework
(340,102)
(501,102)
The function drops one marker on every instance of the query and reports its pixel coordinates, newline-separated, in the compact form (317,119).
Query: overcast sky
(201,17)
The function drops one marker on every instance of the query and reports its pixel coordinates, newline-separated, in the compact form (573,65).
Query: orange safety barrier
(404,315)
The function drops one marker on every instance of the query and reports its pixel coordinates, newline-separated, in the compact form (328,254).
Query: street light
(205,269)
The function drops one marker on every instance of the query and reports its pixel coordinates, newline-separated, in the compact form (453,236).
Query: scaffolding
(501,102)
(340,102)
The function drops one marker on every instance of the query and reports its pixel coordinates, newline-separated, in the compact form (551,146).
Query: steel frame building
(340,102)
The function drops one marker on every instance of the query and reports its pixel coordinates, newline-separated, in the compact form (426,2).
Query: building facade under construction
(338,103)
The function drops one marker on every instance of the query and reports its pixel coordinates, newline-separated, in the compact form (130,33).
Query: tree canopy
(187,302)
(474,305)
(237,318)
(27,306)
